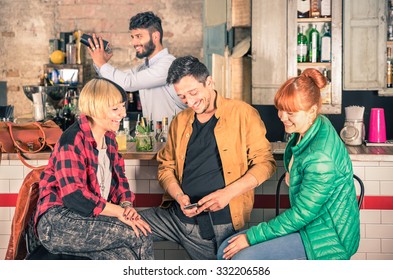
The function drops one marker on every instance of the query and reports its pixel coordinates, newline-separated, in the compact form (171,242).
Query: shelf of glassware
(327,98)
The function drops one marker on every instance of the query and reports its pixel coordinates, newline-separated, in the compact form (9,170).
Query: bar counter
(356,153)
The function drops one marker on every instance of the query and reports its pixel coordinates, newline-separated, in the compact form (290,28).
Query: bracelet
(178,195)
(125,204)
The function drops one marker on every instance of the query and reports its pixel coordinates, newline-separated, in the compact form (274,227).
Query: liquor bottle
(158,130)
(303,8)
(326,90)
(326,10)
(68,118)
(313,40)
(71,51)
(301,45)
(315,9)
(164,133)
(58,119)
(389,77)
(326,43)
(126,127)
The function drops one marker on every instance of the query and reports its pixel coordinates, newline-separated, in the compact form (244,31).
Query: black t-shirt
(203,170)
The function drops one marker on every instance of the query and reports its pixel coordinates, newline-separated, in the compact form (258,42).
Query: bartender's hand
(97,52)
(214,201)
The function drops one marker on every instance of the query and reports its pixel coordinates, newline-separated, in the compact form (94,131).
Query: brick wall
(27,25)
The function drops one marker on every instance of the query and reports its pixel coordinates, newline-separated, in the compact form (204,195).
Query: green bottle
(302,46)
(313,44)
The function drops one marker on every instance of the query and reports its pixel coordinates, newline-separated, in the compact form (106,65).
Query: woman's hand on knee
(130,213)
(236,244)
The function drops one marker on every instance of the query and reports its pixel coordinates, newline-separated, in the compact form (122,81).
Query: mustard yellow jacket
(241,139)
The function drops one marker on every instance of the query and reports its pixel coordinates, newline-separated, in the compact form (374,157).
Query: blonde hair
(97,96)
(301,93)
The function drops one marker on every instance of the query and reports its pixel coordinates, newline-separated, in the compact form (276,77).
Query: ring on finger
(93,48)
(97,46)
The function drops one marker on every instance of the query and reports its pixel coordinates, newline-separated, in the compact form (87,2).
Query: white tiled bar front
(376,224)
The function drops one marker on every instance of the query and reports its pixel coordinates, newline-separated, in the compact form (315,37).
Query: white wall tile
(4,239)
(359,256)
(386,188)
(146,172)
(5,186)
(159,254)
(176,255)
(256,216)
(11,172)
(364,163)
(370,245)
(379,231)
(379,173)
(165,245)
(375,256)
(370,216)
(387,216)
(386,163)
(5,227)
(362,230)
(134,162)
(5,214)
(387,246)
(4,162)
(142,186)
(371,188)
(359,171)
(269,187)
(155,187)
(132,184)
(129,171)
(15,185)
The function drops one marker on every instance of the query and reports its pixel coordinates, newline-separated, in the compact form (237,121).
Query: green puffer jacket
(322,196)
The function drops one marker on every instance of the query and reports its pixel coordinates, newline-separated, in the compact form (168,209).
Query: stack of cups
(377,127)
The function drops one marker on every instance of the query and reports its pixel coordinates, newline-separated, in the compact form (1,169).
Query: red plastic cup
(377,126)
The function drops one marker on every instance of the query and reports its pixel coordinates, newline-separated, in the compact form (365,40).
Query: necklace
(102,167)
(101,170)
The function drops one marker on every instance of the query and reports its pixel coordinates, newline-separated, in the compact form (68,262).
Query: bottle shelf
(312,20)
(314,64)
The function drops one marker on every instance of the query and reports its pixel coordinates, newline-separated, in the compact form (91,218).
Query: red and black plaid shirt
(70,178)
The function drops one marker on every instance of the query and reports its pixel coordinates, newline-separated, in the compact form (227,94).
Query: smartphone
(85,41)
(190,206)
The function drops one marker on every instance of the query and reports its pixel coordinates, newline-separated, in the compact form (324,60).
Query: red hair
(301,93)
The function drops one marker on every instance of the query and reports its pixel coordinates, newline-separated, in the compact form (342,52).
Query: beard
(149,48)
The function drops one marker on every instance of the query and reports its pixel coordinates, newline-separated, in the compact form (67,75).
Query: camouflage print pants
(99,238)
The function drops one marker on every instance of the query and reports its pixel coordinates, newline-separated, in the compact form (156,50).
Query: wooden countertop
(357,153)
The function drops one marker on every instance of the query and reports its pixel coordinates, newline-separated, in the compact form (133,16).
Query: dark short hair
(187,66)
(147,20)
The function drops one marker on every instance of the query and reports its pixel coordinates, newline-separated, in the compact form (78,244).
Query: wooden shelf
(320,19)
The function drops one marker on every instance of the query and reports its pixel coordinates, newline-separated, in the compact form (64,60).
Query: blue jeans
(165,225)
(62,231)
(287,247)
